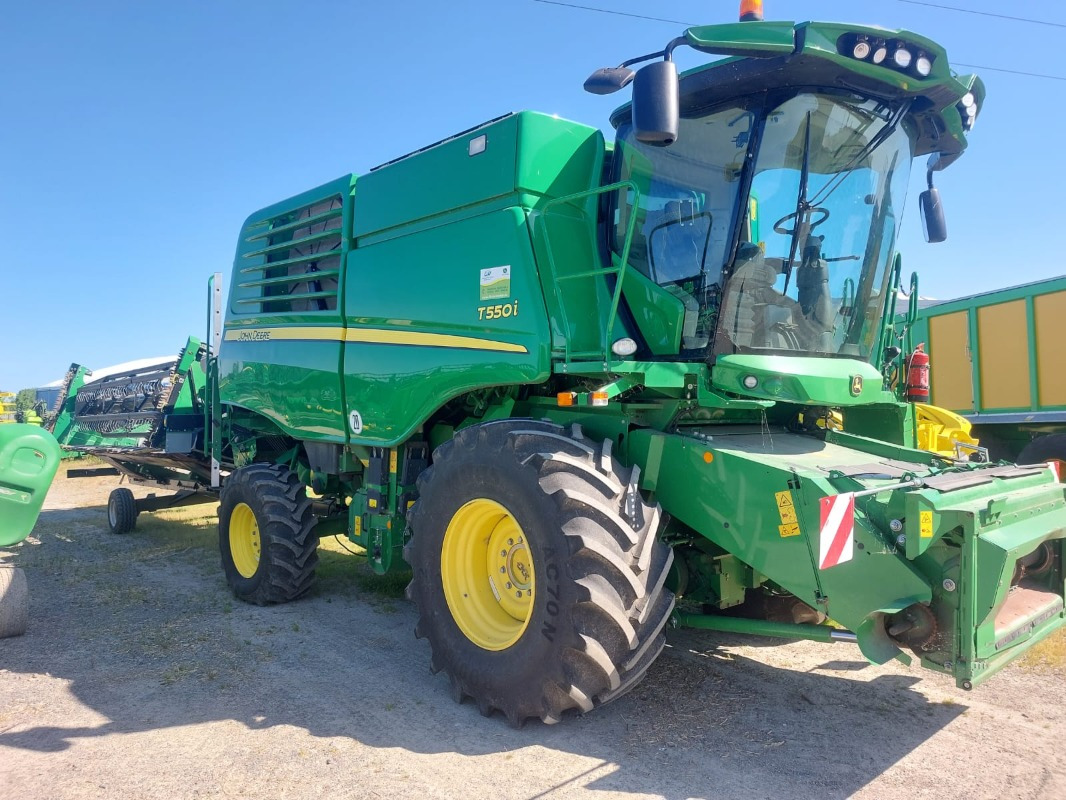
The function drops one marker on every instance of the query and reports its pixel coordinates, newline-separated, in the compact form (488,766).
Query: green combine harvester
(582,389)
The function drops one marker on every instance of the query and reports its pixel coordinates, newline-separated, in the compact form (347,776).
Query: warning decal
(925,524)
(787,510)
(835,543)
(495,283)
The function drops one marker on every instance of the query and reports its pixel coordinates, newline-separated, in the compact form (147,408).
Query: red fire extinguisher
(918,375)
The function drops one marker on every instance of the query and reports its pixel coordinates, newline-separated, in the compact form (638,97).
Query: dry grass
(1049,655)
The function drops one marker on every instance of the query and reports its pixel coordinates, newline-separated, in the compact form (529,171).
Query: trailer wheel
(537,574)
(266,535)
(1046,448)
(121,510)
(14,602)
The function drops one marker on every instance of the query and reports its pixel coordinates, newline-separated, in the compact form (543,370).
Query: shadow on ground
(145,631)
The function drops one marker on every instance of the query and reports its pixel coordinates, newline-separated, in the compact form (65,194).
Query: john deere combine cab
(581,389)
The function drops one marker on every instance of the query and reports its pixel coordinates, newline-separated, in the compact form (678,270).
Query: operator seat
(677,248)
(748,295)
(677,240)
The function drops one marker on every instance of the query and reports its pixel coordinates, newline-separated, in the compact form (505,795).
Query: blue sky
(136,137)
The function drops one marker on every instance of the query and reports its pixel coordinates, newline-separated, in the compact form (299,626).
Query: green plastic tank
(29,457)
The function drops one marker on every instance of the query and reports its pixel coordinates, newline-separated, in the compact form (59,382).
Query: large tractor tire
(121,511)
(537,574)
(1046,448)
(14,602)
(266,535)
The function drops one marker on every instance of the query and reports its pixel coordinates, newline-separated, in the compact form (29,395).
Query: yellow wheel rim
(244,543)
(487,574)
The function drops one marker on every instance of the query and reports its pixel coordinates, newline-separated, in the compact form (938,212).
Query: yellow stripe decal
(385,336)
(370,336)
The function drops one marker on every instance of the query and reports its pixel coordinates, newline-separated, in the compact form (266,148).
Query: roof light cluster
(894,53)
(967,110)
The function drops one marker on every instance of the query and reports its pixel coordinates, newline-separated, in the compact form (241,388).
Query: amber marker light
(751,10)
(598,399)
(708,456)
(565,398)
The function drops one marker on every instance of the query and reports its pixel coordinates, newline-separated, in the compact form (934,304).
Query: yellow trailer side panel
(1050,313)
(951,377)
(1004,355)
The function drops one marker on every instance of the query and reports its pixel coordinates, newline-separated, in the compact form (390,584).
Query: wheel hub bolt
(518,595)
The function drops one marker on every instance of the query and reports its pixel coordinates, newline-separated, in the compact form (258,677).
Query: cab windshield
(800,261)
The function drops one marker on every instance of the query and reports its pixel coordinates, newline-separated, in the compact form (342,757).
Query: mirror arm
(666,53)
(648,57)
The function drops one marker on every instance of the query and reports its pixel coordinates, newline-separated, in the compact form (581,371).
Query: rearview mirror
(655,103)
(608,80)
(934,225)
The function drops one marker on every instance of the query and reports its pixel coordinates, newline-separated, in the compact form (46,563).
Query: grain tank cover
(515,154)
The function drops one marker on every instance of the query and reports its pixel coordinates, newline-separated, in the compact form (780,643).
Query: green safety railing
(620,270)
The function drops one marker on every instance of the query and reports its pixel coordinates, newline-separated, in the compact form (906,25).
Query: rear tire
(14,602)
(266,535)
(121,511)
(545,499)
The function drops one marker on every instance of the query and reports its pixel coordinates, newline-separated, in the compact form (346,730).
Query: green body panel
(295,384)
(794,379)
(29,457)
(396,386)
(733,501)
(396,193)
(658,314)
(736,486)
(741,38)
(284,363)
(413,325)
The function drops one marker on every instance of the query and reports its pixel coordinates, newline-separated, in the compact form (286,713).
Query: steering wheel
(780,228)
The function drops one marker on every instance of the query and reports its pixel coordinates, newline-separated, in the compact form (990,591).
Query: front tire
(537,574)
(266,535)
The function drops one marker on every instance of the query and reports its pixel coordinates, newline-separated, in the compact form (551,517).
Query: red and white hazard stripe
(1056,469)
(835,537)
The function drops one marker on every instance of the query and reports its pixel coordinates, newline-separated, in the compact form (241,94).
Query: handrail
(212,420)
(912,309)
(619,270)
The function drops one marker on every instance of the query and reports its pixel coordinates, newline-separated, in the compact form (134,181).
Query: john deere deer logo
(856,385)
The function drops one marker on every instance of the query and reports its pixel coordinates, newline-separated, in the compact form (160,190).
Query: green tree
(25,400)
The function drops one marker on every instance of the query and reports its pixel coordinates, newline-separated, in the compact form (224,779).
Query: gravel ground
(141,676)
